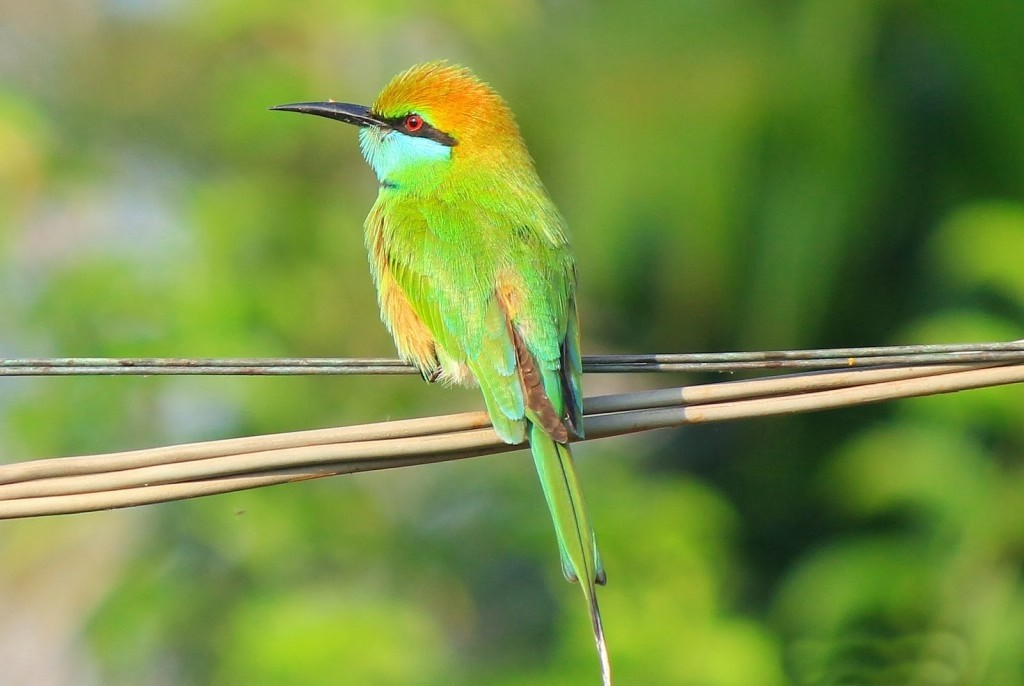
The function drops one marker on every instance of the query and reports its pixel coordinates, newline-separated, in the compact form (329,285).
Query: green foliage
(737,175)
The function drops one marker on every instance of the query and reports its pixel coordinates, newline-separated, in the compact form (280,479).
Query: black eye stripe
(425,131)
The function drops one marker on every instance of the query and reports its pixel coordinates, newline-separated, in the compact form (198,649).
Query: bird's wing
(538,295)
(447,277)
(571,369)
(497,299)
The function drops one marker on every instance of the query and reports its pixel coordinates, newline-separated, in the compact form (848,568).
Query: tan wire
(79,484)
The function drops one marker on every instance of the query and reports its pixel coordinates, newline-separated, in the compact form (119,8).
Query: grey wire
(837,358)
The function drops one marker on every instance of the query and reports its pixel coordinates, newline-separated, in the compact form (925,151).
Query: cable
(840,358)
(96,482)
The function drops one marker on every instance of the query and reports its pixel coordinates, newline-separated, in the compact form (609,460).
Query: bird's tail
(576,543)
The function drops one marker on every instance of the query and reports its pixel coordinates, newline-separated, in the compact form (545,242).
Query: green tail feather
(576,542)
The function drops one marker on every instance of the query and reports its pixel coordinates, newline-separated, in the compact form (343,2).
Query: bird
(475,278)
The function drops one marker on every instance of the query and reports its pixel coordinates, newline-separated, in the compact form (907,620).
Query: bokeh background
(738,175)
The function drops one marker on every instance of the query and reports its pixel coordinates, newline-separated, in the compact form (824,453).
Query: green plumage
(475,278)
(452,279)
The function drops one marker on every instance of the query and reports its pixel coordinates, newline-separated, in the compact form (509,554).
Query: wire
(96,482)
(840,358)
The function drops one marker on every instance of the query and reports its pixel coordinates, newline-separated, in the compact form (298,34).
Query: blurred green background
(737,175)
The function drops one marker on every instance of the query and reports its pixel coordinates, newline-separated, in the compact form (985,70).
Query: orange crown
(454,101)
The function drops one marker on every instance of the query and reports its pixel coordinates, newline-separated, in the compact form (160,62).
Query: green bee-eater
(474,275)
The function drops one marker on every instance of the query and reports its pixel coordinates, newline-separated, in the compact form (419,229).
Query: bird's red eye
(413,123)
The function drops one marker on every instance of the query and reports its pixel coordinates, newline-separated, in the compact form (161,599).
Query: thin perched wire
(839,358)
(96,482)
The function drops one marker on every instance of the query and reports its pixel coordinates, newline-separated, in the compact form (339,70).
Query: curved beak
(358,115)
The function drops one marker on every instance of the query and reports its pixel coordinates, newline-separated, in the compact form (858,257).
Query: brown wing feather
(537,400)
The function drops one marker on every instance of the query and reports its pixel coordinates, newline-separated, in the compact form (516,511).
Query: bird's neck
(405,162)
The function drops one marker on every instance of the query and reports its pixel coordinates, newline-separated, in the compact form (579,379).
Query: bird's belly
(454,372)
(414,341)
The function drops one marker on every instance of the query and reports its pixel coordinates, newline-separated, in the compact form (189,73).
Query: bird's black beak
(341,111)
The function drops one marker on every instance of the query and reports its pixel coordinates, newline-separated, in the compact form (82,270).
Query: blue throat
(394,155)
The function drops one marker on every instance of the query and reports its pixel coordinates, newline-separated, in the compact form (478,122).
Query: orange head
(430,121)
(451,100)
